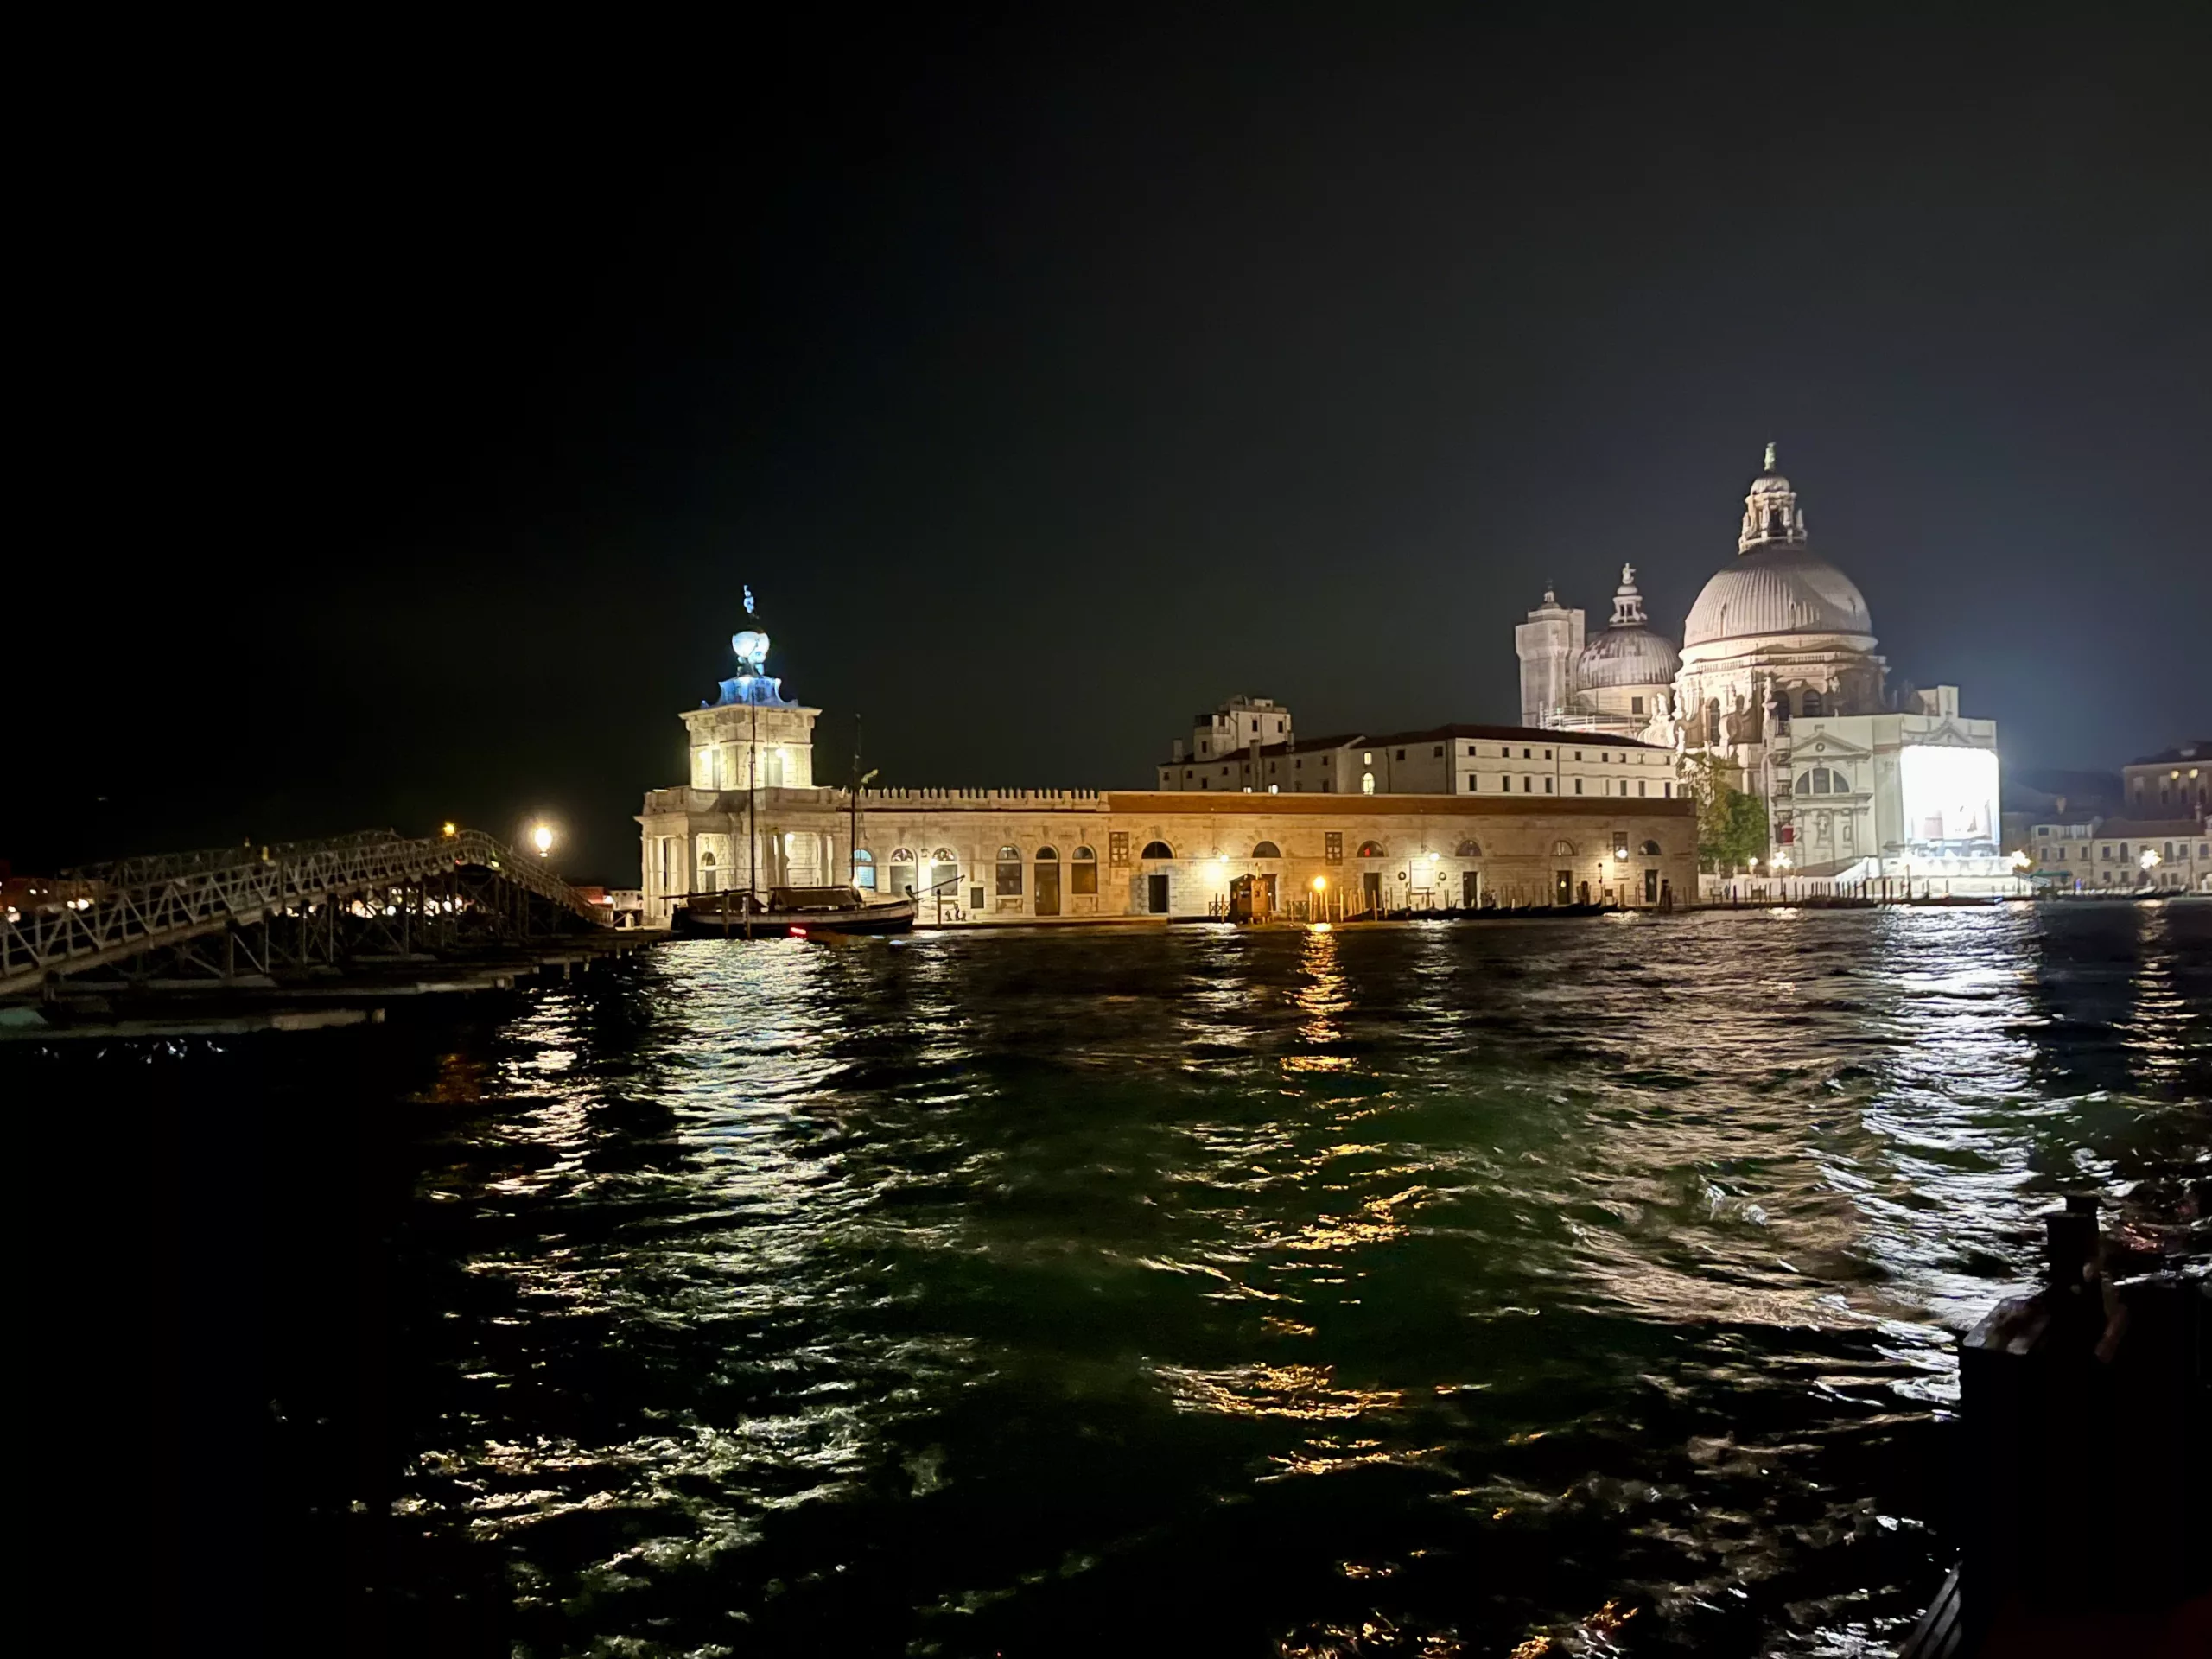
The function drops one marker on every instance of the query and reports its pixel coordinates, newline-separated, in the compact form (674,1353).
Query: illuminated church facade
(1779,677)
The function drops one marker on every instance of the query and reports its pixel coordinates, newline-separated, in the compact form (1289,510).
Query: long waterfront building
(751,816)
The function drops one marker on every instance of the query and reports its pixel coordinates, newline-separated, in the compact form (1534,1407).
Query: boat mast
(861,780)
(752,821)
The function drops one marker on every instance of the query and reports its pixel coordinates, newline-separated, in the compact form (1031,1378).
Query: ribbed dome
(1776,587)
(1625,656)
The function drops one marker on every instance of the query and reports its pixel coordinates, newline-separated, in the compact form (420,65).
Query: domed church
(1778,676)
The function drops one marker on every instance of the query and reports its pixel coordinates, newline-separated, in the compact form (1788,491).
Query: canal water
(1423,1290)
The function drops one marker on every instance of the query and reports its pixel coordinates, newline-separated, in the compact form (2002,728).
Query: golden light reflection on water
(1307,1393)
(1582,1235)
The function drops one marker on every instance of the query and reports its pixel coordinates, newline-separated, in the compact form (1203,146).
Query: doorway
(1156,893)
(1048,889)
(1562,886)
(1470,889)
(1371,891)
(1651,887)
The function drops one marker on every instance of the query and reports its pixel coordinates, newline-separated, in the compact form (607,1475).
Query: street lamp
(449,830)
(541,838)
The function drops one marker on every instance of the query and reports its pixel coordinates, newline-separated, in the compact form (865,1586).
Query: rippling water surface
(1425,1290)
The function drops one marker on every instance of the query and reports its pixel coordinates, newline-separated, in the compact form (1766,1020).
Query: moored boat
(789,912)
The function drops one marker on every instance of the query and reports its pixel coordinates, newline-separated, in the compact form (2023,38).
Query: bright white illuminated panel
(1951,795)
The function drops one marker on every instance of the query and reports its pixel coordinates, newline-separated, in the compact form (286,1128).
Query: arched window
(1814,707)
(1266,849)
(1467,849)
(1367,782)
(1009,872)
(1084,869)
(1821,781)
(864,869)
(1562,849)
(1046,854)
(708,875)
(904,855)
(1369,850)
(944,870)
(1156,849)
(1649,850)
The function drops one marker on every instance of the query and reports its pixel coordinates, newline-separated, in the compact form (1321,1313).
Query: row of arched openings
(1366,850)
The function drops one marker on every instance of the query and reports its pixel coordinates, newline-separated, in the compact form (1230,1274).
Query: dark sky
(1050,382)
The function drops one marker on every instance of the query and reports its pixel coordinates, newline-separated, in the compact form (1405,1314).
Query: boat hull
(695,920)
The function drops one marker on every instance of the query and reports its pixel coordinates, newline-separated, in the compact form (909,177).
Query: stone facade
(1457,759)
(1048,856)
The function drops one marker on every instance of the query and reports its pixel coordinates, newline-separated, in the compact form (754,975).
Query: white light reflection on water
(949,1293)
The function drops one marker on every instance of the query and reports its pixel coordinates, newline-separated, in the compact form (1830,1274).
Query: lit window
(1367,782)
(864,869)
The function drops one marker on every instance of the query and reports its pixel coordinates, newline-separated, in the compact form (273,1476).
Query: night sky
(1050,381)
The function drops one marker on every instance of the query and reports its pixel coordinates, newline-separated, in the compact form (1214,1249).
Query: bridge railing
(163,866)
(195,894)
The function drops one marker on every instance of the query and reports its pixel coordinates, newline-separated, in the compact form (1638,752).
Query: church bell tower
(1547,643)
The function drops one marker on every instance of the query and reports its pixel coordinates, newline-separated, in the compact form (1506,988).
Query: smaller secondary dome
(1628,653)
(1629,656)
(1770,484)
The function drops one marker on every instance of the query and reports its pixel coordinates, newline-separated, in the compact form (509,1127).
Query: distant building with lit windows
(1458,760)
(2177,784)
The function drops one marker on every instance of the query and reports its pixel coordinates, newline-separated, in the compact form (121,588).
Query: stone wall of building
(1069,855)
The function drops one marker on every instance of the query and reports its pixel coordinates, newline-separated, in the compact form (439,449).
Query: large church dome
(1777,584)
(1779,587)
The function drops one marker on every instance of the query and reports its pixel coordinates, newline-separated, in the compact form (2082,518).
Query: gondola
(789,912)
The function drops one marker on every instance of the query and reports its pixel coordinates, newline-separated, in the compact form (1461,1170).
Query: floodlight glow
(1950,794)
(541,838)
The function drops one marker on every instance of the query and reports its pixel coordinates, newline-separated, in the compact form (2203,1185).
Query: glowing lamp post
(541,838)
(448,829)
(2150,861)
